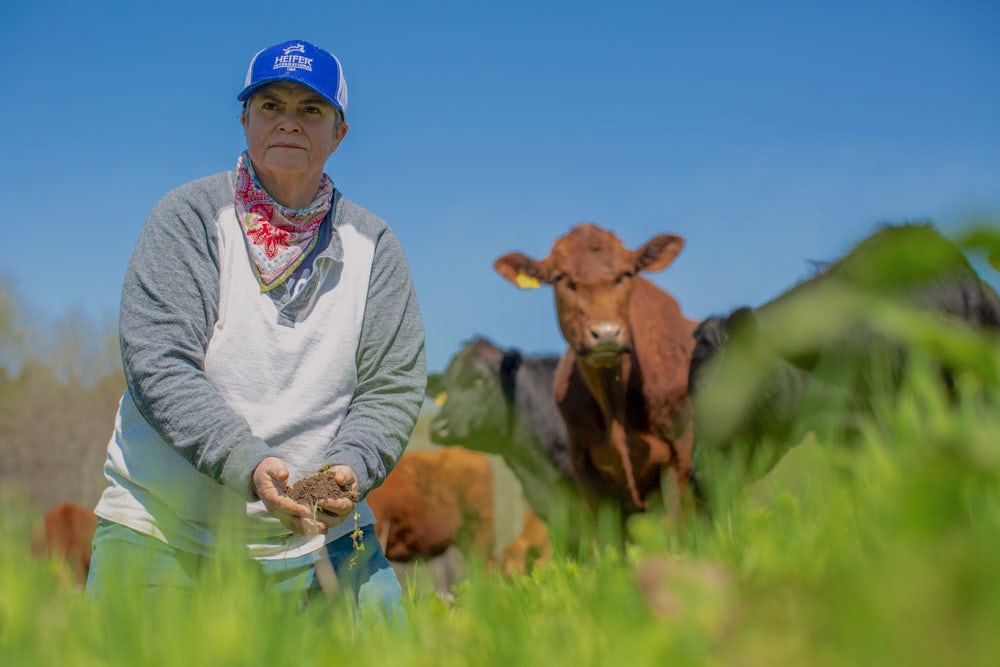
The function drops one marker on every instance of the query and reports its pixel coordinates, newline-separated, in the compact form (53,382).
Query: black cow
(819,353)
(501,402)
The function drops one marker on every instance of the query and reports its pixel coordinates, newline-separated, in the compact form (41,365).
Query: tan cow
(66,532)
(435,499)
(621,384)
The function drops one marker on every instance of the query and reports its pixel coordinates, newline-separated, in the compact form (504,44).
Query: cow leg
(680,502)
(483,537)
(619,441)
(582,416)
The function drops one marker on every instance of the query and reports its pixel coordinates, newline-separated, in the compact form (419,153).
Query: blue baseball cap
(298,61)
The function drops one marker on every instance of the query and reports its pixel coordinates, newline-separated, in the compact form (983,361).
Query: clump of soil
(311,490)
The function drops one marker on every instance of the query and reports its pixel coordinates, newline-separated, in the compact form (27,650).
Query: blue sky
(766,134)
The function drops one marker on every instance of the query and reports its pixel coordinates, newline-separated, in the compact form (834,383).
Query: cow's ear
(521,270)
(658,252)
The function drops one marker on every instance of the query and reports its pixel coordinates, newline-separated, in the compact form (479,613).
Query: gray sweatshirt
(220,376)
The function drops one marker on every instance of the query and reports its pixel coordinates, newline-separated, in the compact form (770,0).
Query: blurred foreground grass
(884,553)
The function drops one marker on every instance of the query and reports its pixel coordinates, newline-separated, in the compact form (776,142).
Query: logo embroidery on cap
(292,62)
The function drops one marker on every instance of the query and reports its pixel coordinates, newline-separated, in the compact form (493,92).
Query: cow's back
(429,498)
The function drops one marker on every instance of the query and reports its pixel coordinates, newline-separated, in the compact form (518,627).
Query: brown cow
(621,384)
(435,499)
(66,532)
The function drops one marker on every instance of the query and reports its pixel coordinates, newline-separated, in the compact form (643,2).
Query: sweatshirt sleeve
(169,306)
(392,371)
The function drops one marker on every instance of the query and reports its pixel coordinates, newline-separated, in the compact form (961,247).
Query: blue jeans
(370,581)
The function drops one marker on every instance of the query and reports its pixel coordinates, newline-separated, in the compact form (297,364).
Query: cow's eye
(623,276)
(561,278)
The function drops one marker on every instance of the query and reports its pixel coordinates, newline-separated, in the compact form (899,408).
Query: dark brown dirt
(310,490)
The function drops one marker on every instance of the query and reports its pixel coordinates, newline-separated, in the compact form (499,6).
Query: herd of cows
(645,404)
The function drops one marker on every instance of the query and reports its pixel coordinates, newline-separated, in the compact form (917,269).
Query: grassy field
(884,553)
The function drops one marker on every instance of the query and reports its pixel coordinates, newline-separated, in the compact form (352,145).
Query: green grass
(886,553)
(882,552)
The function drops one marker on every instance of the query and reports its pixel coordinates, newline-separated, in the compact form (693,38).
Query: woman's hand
(269,479)
(338,510)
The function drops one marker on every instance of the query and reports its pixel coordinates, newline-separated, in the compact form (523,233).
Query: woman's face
(290,132)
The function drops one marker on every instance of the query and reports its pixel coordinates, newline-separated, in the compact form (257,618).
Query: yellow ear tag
(441,398)
(524,281)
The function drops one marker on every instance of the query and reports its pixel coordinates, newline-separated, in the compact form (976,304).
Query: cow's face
(592,274)
(473,409)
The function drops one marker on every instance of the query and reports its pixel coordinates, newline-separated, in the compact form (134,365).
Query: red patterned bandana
(278,238)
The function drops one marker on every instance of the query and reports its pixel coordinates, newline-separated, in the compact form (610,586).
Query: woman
(269,331)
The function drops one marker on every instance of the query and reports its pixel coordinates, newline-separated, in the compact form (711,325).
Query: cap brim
(248,92)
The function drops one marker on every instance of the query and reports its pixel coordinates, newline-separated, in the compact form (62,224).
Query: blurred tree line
(60,382)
